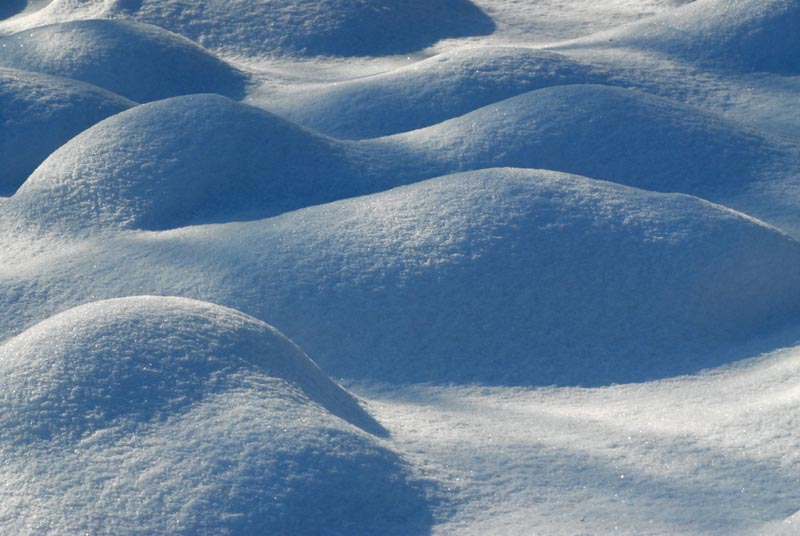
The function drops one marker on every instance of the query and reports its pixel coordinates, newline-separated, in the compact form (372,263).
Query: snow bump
(312,27)
(39,114)
(138,61)
(187,418)
(429,91)
(747,35)
(186,160)
(610,133)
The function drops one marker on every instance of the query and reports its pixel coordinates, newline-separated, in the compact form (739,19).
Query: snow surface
(429,91)
(191,159)
(39,114)
(750,35)
(294,27)
(483,276)
(166,415)
(138,61)
(550,248)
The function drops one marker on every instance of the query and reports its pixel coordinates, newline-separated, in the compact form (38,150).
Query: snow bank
(192,159)
(154,415)
(204,158)
(138,61)
(295,27)
(42,112)
(498,276)
(748,35)
(606,133)
(522,277)
(429,91)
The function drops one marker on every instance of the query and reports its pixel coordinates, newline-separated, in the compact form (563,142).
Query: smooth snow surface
(752,35)
(430,91)
(190,159)
(11,7)
(165,415)
(496,276)
(550,249)
(609,133)
(40,113)
(297,27)
(138,61)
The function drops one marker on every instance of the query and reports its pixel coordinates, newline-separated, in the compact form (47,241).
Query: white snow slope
(550,248)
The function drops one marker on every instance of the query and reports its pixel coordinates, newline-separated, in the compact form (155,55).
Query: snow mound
(604,132)
(298,27)
(187,418)
(192,159)
(495,276)
(429,91)
(40,113)
(748,35)
(138,61)
(518,276)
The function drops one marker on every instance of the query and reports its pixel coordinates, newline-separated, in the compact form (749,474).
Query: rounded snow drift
(189,418)
(523,277)
(41,113)
(610,133)
(138,61)
(429,91)
(747,35)
(312,27)
(180,161)
(132,360)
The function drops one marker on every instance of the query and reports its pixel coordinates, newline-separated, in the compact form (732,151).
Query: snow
(152,415)
(11,7)
(295,27)
(534,267)
(138,61)
(609,133)
(423,276)
(42,112)
(428,91)
(749,35)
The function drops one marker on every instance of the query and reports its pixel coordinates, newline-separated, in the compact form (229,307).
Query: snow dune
(138,61)
(495,276)
(40,113)
(429,91)
(164,415)
(193,159)
(294,27)
(519,333)
(746,35)
(204,158)
(611,133)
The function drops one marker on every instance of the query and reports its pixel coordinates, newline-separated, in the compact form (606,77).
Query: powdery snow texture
(193,159)
(748,35)
(154,415)
(294,27)
(499,276)
(138,61)
(129,414)
(40,113)
(429,91)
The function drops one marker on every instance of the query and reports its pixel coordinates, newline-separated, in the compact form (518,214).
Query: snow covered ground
(400,267)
